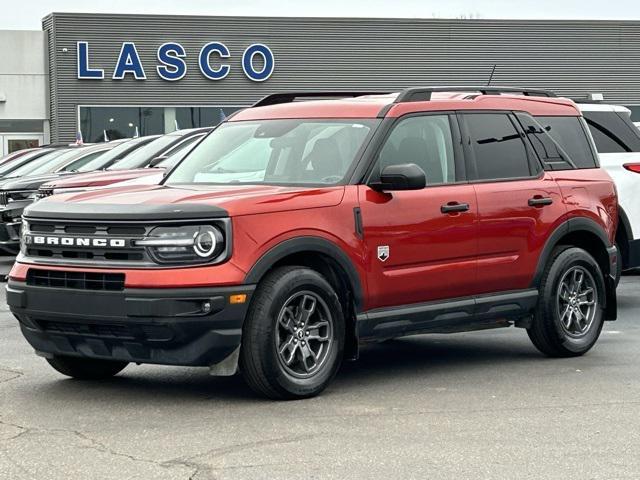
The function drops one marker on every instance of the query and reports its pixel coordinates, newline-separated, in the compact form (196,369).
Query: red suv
(298,230)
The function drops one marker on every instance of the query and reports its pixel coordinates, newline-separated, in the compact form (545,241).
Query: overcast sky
(26,14)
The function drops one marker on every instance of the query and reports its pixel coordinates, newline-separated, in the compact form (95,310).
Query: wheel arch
(328,259)
(588,235)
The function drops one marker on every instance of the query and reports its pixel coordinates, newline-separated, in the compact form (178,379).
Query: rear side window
(572,138)
(498,148)
(613,132)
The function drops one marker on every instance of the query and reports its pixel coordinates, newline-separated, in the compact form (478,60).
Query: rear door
(518,202)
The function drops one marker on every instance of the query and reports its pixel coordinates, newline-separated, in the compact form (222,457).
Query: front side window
(498,148)
(300,151)
(425,141)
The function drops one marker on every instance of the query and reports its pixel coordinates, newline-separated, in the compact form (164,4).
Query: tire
(86,368)
(548,332)
(272,324)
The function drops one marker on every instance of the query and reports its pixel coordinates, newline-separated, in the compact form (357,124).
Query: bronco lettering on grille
(78,241)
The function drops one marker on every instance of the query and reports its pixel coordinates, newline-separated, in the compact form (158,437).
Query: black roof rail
(289,97)
(423,94)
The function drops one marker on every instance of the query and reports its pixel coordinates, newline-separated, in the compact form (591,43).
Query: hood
(158,202)
(30,183)
(102,178)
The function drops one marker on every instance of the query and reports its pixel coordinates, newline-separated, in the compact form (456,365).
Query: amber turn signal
(239,298)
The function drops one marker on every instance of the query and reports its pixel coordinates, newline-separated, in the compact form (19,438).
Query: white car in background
(617,140)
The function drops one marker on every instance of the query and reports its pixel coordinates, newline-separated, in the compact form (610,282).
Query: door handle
(453,207)
(538,201)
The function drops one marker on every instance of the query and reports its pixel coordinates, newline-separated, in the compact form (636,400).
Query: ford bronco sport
(298,230)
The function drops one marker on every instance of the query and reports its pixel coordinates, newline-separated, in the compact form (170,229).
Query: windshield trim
(374,124)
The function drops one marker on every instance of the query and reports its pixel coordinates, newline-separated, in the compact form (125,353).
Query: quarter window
(570,135)
(497,146)
(425,141)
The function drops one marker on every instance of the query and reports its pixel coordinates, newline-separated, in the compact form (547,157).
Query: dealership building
(111,76)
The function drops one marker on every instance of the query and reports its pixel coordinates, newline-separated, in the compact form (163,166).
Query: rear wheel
(570,313)
(86,368)
(293,338)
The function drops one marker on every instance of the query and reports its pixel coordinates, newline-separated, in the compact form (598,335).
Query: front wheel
(293,338)
(86,368)
(570,312)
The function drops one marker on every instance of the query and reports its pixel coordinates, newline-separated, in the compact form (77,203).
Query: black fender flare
(577,225)
(314,245)
(571,225)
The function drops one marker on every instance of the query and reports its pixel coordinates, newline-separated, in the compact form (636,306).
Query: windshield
(301,151)
(43,164)
(107,158)
(142,156)
(20,161)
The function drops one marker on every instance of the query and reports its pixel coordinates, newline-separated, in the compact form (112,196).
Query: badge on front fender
(383,253)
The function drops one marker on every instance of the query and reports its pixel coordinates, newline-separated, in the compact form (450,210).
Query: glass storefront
(125,122)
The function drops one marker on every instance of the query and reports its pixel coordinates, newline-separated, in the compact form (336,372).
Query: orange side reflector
(240,298)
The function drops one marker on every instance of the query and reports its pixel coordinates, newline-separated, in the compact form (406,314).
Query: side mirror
(156,161)
(407,176)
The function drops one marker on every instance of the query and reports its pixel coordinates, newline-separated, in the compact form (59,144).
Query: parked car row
(30,175)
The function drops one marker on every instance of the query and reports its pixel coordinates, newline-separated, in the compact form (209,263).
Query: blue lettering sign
(267,59)
(173,66)
(84,72)
(204,60)
(129,62)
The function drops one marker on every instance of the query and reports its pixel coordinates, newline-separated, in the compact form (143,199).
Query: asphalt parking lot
(483,405)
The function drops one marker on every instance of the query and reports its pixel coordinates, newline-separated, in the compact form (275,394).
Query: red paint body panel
(512,234)
(235,199)
(431,255)
(590,193)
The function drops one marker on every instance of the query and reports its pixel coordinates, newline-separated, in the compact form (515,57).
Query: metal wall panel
(570,57)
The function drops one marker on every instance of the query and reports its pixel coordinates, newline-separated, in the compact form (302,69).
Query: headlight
(24,229)
(185,244)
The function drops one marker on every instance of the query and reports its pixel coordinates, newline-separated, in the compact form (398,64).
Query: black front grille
(120,256)
(4,198)
(76,280)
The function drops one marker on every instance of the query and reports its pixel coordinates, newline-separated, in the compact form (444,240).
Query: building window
(98,122)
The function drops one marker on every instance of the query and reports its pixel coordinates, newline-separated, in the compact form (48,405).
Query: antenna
(493,70)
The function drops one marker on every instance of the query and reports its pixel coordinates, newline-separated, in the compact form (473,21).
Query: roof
(387,105)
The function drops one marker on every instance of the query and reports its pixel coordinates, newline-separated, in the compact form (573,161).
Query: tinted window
(613,132)
(499,151)
(571,137)
(425,141)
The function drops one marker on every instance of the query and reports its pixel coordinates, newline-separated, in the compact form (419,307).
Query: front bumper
(161,326)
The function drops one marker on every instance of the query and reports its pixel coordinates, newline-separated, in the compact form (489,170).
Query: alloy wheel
(304,334)
(577,301)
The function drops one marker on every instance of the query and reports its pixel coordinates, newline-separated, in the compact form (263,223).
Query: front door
(421,245)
